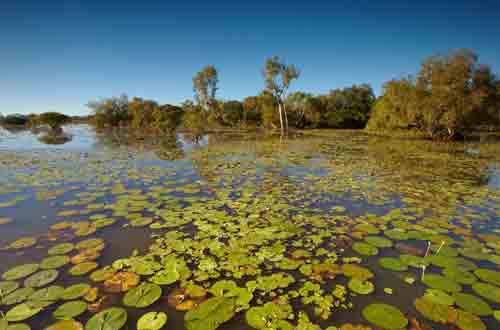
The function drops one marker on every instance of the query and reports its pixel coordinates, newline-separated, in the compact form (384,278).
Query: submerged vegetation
(341,231)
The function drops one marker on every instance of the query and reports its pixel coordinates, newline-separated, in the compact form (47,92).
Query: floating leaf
(442,283)
(19,272)
(7,287)
(110,319)
(70,310)
(83,268)
(365,249)
(210,314)
(17,296)
(75,291)
(361,287)
(469,321)
(41,278)
(142,296)
(23,243)
(488,275)
(22,312)
(439,297)
(487,291)
(63,248)
(385,316)
(54,262)
(472,304)
(152,321)
(459,276)
(436,312)
(392,264)
(66,325)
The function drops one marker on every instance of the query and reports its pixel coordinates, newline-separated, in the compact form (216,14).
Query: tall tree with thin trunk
(278,77)
(205,87)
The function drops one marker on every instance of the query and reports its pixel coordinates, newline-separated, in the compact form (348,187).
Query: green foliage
(450,96)
(53,119)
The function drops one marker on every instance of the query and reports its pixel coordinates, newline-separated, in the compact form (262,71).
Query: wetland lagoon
(321,230)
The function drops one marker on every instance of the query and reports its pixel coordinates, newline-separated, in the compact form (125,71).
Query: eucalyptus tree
(278,77)
(205,87)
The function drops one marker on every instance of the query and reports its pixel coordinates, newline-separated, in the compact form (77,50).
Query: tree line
(451,95)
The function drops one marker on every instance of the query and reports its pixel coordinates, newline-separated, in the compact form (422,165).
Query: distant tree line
(452,94)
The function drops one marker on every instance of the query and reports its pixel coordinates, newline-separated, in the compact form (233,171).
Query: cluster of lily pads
(274,240)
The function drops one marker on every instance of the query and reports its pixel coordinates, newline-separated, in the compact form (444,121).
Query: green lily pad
(356,271)
(472,304)
(393,264)
(142,296)
(210,314)
(165,277)
(439,297)
(152,321)
(23,243)
(414,261)
(54,262)
(6,287)
(75,291)
(361,287)
(469,321)
(377,241)
(488,275)
(459,276)
(102,274)
(385,316)
(90,244)
(17,296)
(439,313)
(66,325)
(22,312)
(496,314)
(109,319)
(63,248)
(70,310)
(83,268)
(270,315)
(488,291)
(19,272)
(365,249)
(442,283)
(42,278)
(46,296)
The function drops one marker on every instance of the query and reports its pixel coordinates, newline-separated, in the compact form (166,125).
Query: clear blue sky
(57,55)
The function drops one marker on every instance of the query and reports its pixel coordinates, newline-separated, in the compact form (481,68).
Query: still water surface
(243,207)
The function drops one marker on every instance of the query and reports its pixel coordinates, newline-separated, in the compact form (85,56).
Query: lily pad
(23,243)
(393,264)
(365,249)
(66,325)
(385,316)
(270,315)
(472,304)
(22,312)
(460,276)
(54,262)
(46,296)
(19,272)
(377,241)
(469,321)
(18,296)
(442,283)
(488,275)
(75,291)
(142,296)
(414,261)
(439,297)
(152,321)
(63,248)
(41,278)
(436,312)
(361,287)
(83,268)
(488,291)
(17,326)
(103,274)
(7,287)
(70,310)
(210,314)
(355,271)
(110,319)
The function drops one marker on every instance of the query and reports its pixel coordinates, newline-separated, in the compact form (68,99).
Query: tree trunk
(281,117)
(286,118)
